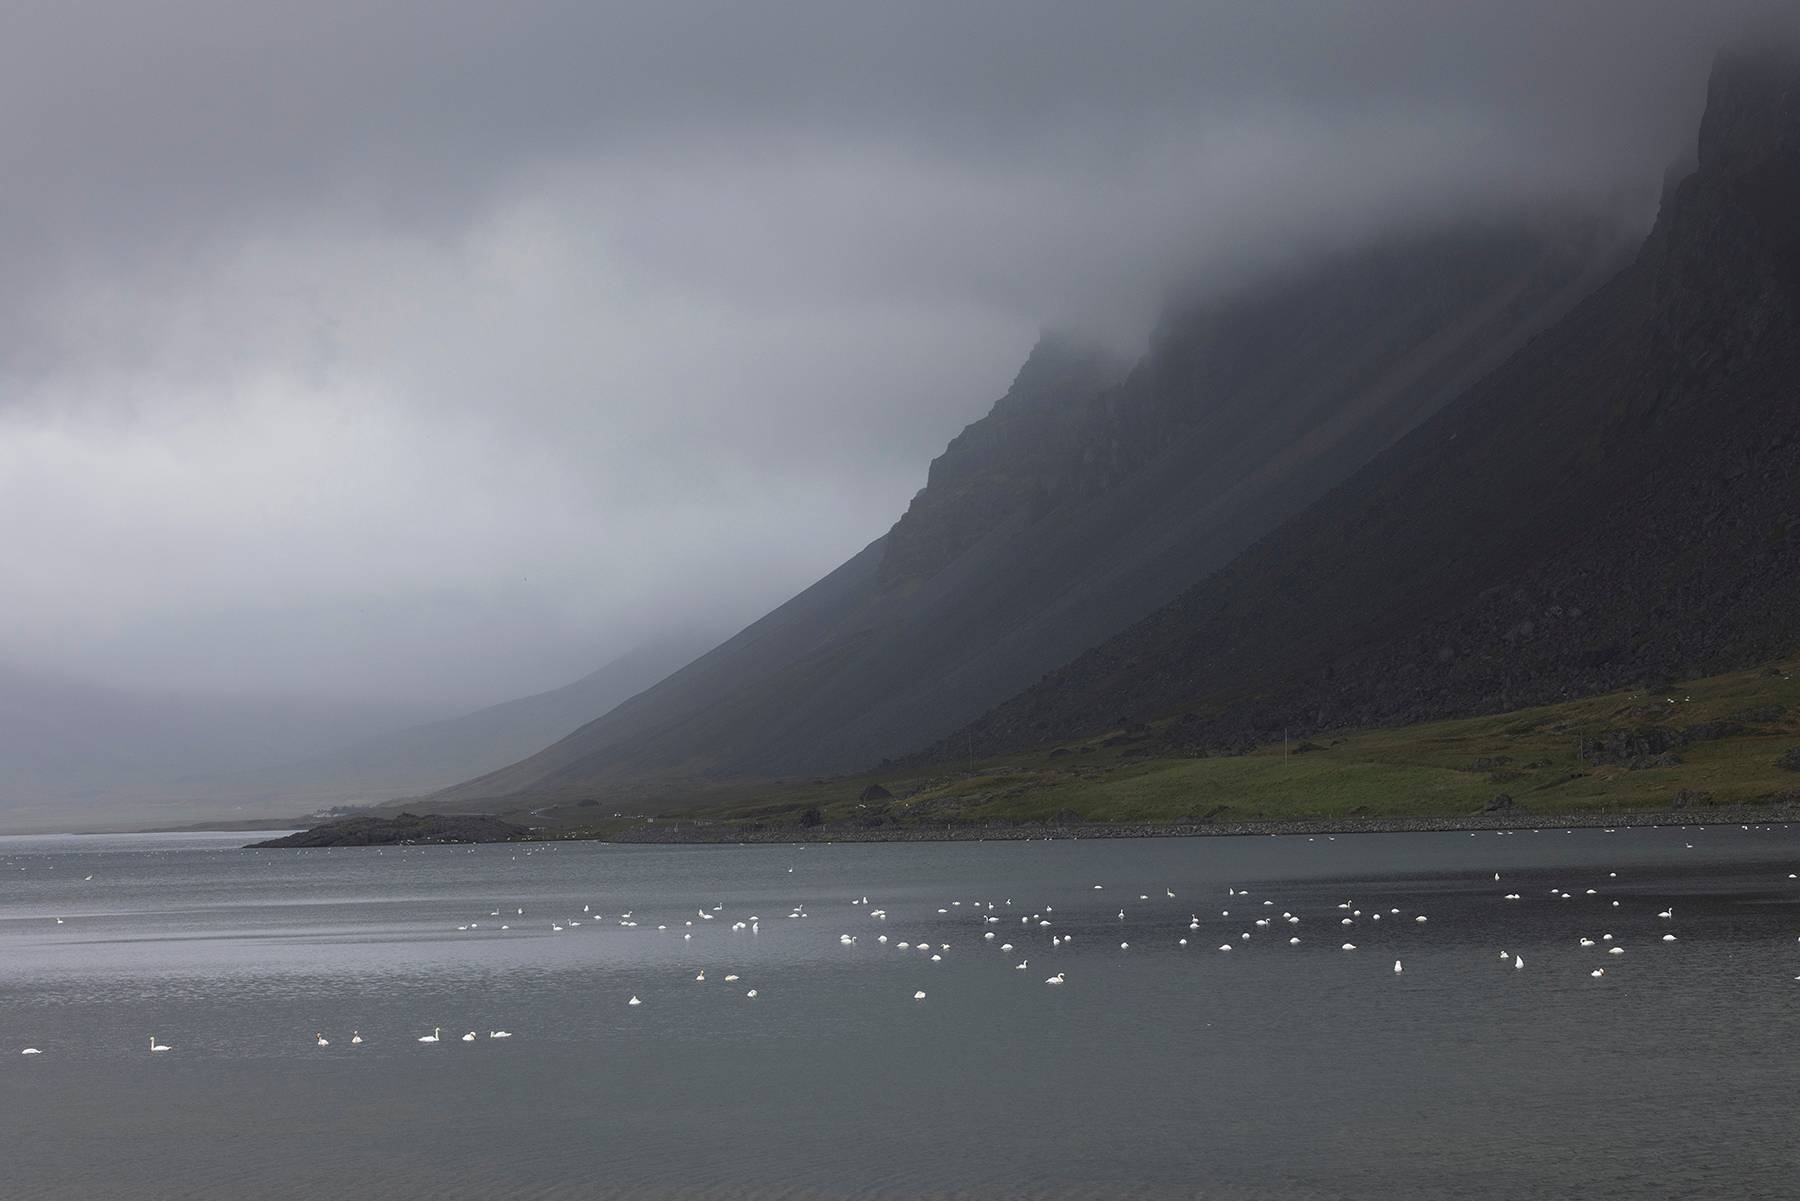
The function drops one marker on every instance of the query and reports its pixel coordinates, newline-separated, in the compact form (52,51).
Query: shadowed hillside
(1087,497)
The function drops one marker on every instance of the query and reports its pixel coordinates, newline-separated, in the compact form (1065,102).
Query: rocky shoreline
(407,829)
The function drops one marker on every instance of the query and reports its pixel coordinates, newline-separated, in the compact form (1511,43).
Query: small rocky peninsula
(405,829)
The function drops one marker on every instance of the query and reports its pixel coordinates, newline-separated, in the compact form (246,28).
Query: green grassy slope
(1725,736)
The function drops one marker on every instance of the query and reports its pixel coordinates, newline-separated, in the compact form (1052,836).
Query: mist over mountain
(326,357)
(394,373)
(1613,505)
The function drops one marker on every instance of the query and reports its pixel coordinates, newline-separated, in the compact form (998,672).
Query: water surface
(1161,1071)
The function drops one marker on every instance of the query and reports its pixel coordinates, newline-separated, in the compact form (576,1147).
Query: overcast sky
(440,350)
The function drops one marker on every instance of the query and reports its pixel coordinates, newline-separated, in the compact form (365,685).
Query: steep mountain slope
(1620,500)
(1083,500)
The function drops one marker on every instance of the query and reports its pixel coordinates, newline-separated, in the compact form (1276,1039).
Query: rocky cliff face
(1619,500)
(1011,462)
(1082,502)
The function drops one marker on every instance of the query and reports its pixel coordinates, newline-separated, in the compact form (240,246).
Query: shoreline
(678,834)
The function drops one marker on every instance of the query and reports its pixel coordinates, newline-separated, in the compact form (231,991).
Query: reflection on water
(1162,1070)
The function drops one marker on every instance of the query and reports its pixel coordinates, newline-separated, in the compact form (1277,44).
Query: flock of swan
(1016,932)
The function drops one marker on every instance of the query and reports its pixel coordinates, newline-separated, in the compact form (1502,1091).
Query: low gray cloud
(438,351)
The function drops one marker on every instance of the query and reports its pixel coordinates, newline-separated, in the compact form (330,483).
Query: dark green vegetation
(409,829)
(1695,746)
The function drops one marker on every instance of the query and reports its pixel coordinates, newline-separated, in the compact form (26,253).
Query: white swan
(321,1040)
(634,1001)
(1056,979)
(469,1037)
(919,996)
(31,1051)
(1396,967)
(355,1039)
(156,1046)
(499,1033)
(430,1038)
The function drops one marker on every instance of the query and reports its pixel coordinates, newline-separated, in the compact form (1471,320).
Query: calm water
(1271,1071)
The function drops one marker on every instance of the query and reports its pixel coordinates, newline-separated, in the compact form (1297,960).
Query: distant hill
(1618,502)
(1088,496)
(75,755)
(426,757)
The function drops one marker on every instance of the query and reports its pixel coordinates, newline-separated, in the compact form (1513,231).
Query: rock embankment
(407,829)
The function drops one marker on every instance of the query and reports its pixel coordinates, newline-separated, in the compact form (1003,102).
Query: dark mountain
(1618,502)
(1086,498)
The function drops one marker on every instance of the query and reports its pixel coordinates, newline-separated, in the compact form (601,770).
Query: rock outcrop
(409,829)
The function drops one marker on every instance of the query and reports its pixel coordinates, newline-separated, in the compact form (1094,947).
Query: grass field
(1725,735)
